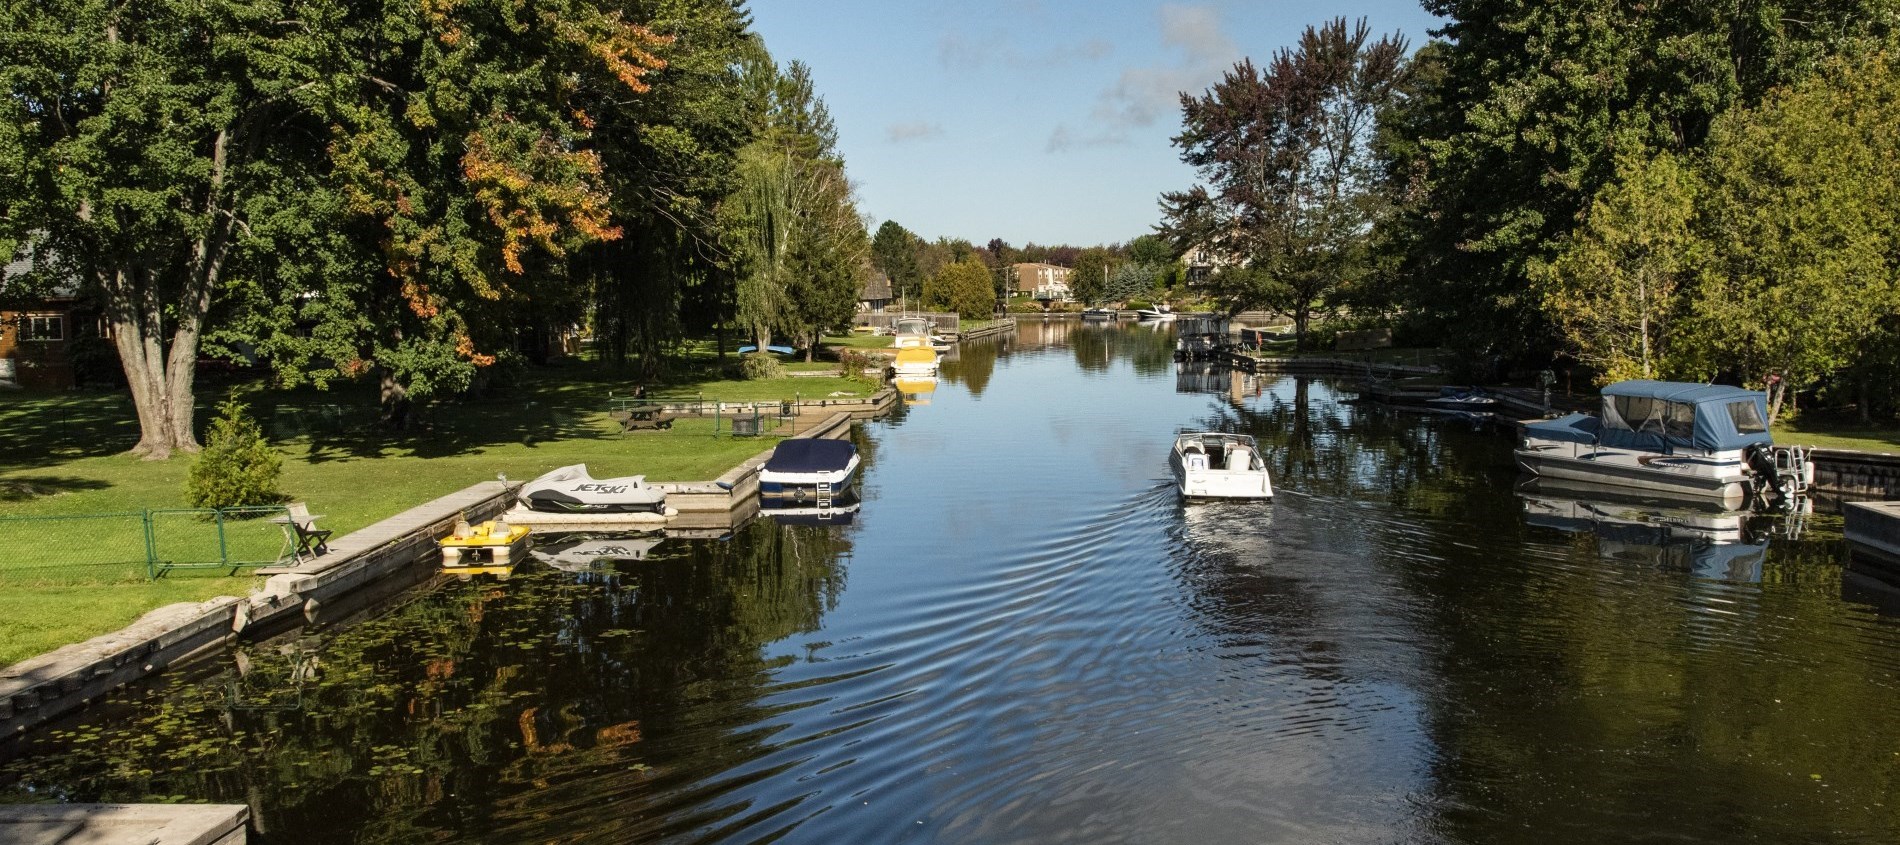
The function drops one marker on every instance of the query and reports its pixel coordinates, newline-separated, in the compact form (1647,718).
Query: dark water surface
(1025,637)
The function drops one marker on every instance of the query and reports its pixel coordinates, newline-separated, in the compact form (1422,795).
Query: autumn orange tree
(461,177)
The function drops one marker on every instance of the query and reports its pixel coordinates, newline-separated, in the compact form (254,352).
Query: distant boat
(1467,399)
(1215,465)
(1671,437)
(1098,314)
(1158,312)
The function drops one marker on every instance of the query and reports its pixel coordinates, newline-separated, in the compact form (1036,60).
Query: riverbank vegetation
(1702,192)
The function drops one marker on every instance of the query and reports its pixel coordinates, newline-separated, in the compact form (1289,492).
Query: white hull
(1219,466)
(1716,476)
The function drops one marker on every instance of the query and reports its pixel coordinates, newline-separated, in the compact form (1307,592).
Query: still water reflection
(1023,636)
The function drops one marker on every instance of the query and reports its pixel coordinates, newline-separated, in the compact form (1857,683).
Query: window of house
(43,327)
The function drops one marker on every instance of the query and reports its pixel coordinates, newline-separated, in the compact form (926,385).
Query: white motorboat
(571,490)
(1158,312)
(917,331)
(808,469)
(1216,465)
(1673,438)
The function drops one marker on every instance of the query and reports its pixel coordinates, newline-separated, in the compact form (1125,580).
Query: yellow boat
(494,542)
(915,361)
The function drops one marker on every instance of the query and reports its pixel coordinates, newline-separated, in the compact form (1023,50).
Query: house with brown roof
(876,295)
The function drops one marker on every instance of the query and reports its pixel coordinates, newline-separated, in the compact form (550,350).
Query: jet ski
(572,490)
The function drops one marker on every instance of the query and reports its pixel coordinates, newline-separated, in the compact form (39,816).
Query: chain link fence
(139,545)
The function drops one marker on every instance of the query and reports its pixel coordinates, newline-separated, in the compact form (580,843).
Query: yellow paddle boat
(494,542)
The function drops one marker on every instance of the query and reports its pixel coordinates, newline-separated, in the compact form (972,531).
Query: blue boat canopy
(1574,428)
(810,455)
(1646,414)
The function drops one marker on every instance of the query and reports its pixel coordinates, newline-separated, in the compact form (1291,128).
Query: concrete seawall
(361,569)
(1874,525)
(124,824)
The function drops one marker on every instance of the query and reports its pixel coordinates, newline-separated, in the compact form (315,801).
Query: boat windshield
(1746,418)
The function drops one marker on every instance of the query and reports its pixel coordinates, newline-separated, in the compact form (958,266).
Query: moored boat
(494,542)
(915,361)
(820,471)
(1217,465)
(571,489)
(1674,438)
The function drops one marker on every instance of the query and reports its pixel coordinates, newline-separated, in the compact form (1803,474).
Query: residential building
(1202,261)
(1041,281)
(876,295)
(37,331)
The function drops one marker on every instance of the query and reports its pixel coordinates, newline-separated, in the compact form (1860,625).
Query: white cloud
(1142,95)
(958,51)
(1064,139)
(914,131)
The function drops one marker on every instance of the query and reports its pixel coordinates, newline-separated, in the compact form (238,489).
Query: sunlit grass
(64,454)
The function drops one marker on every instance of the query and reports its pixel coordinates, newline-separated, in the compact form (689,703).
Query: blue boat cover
(1574,428)
(1723,417)
(810,455)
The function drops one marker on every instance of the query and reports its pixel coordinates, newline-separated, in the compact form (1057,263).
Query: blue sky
(1034,120)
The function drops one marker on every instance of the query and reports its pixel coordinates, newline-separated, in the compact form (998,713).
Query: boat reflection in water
(594,552)
(916,390)
(1217,379)
(841,513)
(1696,536)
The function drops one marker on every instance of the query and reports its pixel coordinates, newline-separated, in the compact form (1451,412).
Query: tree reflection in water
(515,708)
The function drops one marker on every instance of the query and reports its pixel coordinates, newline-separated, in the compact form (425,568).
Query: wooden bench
(650,417)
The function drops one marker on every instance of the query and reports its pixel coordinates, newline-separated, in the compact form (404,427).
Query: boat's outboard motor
(1784,472)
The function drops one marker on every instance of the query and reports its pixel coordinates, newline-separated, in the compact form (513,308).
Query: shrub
(237,466)
(852,364)
(761,365)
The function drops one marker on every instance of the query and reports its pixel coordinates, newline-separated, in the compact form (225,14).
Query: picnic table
(636,417)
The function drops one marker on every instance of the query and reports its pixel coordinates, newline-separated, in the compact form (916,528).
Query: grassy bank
(64,455)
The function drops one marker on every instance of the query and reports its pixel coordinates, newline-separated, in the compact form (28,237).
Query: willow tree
(138,140)
(795,239)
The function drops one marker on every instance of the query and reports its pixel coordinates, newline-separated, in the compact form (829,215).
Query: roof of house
(877,286)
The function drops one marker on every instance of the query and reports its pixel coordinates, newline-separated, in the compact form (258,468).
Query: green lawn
(860,341)
(63,454)
(1830,435)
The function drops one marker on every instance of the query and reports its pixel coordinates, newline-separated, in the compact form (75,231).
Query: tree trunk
(394,397)
(161,395)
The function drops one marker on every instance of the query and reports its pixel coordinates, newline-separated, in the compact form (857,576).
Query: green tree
(1152,250)
(1801,220)
(137,142)
(1613,290)
(1130,280)
(964,287)
(1088,278)
(894,251)
(793,229)
(237,466)
(1522,113)
(1288,179)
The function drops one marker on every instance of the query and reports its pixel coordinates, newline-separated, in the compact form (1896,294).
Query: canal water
(1024,636)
